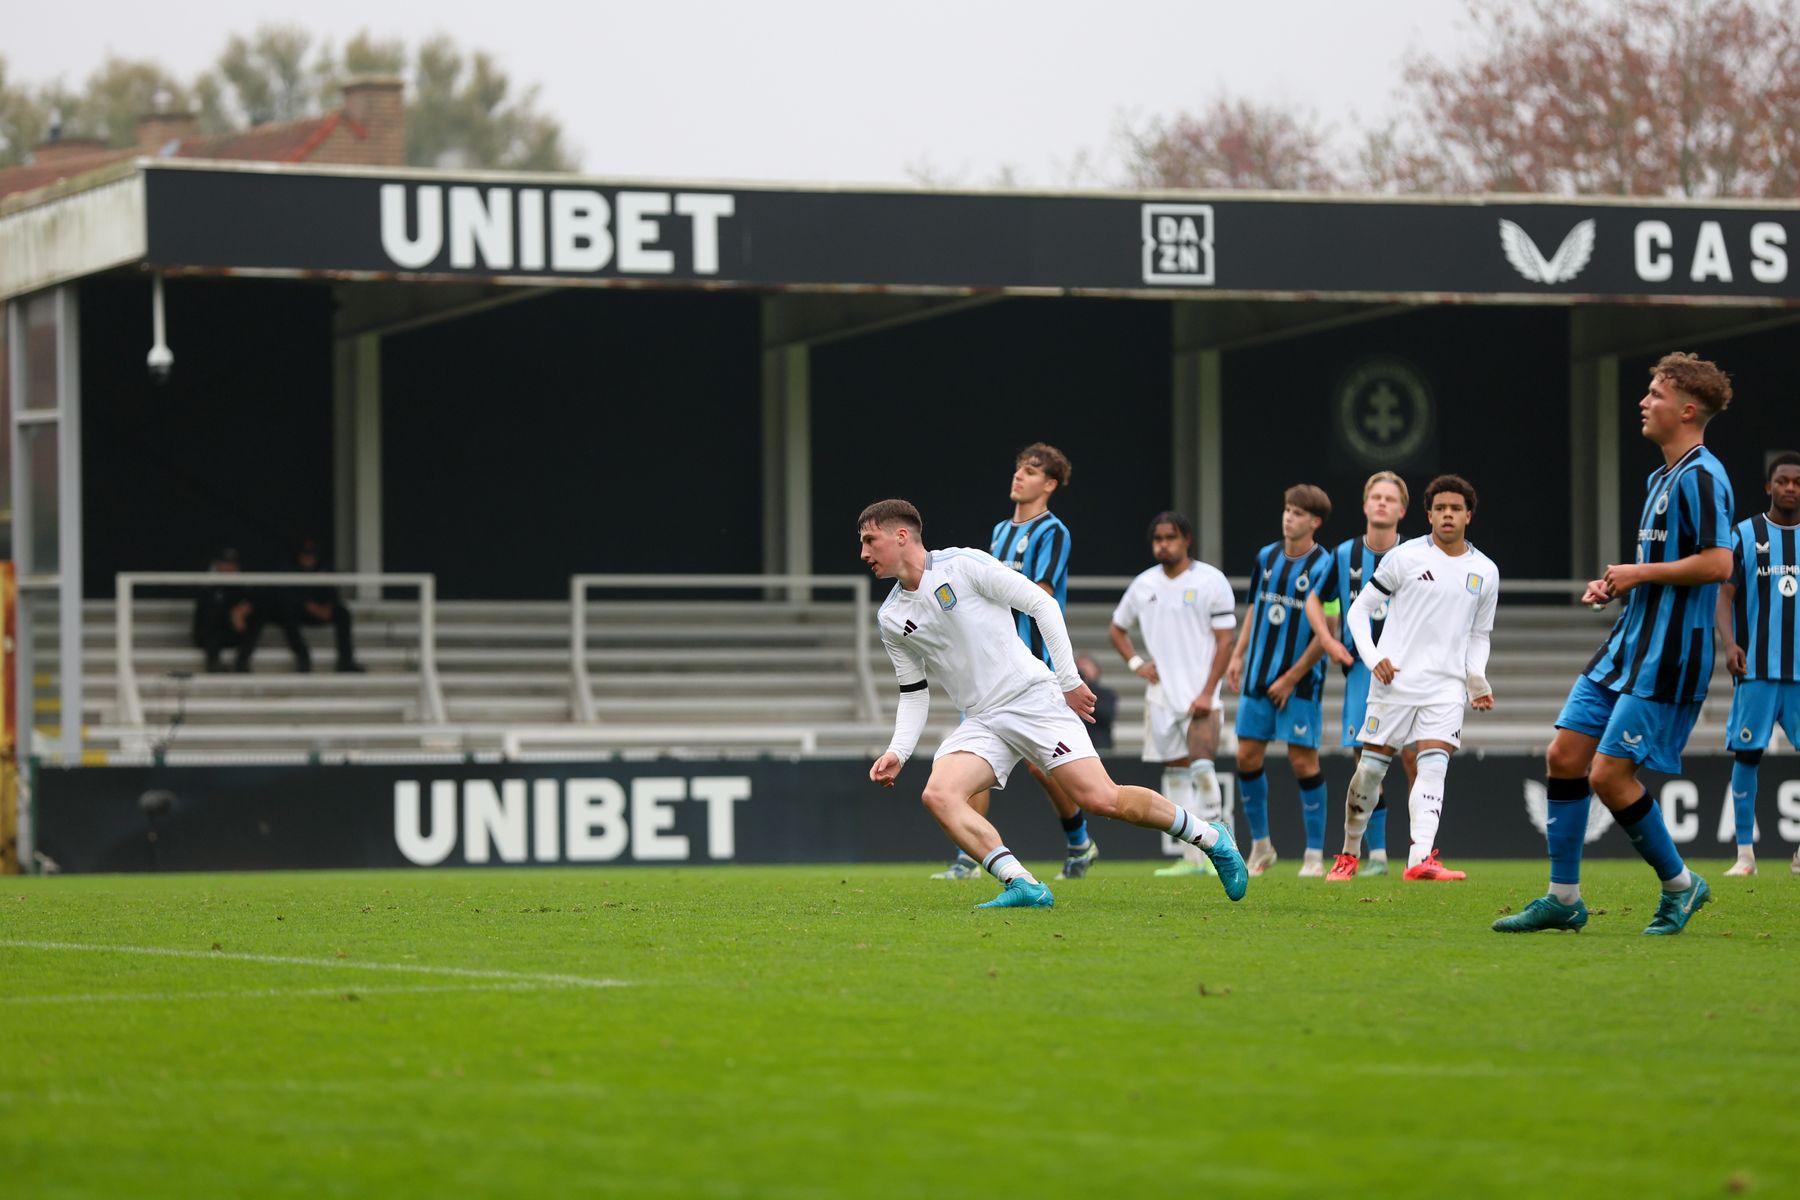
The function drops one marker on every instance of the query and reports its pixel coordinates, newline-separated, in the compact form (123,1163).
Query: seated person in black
(222,613)
(303,605)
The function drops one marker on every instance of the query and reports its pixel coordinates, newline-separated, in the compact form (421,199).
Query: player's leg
(1311,781)
(1082,850)
(958,774)
(962,866)
(1167,741)
(1583,719)
(1093,789)
(1645,732)
(1356,704)
(1192,782)
(1360,801)
(1747,731)
(1425,804)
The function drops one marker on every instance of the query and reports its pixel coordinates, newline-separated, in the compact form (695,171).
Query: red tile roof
(287,141)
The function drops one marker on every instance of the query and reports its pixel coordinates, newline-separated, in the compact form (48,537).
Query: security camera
(161,362)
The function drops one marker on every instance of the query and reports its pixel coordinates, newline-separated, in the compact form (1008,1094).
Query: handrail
(580,684)
(1508,587)
(803,739)
(131,704)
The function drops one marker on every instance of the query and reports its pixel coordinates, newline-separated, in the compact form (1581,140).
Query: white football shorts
(1165,732)
(1402,724)
(1037,724)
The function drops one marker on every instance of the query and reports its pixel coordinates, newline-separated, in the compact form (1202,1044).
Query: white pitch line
(349,963)
(270,993)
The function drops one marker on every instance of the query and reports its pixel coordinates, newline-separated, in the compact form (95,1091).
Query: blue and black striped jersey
(1353,565)
(1279,633)
(1661,647)
(1766,574)
(1039,550)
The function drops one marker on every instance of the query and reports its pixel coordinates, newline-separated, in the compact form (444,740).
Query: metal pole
(69,520)
(871,711)
(580,689)
(428,674)
(131,705)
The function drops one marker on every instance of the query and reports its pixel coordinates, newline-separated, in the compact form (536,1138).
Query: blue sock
(1253,786)
(1565,829)
(1643,824)
(1075,829)
(1743,800)
(1312,810)
(1375,836)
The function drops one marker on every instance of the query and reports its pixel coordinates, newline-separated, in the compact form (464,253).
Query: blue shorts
(1756,705)
(1296,723)
(1650,733)
(1356,701)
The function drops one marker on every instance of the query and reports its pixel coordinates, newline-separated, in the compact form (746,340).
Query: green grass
(820,1032)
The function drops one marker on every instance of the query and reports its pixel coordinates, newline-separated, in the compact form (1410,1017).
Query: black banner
(259,818)
(580,231)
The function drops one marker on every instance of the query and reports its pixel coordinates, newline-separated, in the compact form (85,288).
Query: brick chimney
(378,104)
(60,149)
(156,130)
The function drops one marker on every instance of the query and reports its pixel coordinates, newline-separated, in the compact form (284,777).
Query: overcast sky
(827,90)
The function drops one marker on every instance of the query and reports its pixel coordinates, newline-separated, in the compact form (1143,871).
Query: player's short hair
(1047,458)
(1450,483)
(1697,379)
(1387,477)
(1171,517)
(1786,458)
(1310,498)
(892,512)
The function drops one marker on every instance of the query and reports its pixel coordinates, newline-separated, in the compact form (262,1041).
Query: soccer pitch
(819,1032)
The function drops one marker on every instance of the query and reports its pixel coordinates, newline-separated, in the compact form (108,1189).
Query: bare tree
(1232,143)
(1638,97)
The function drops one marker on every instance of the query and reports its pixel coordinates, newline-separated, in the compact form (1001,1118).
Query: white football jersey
(1440,614)
(1177,618)
(956,629)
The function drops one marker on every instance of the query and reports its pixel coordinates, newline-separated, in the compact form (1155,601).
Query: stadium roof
(272,219)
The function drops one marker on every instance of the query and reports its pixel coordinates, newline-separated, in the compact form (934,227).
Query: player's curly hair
(1697,379)
(1450,483)
(1309,497)
(1182,525)
(1047,458)
(1785,459)
(892,512)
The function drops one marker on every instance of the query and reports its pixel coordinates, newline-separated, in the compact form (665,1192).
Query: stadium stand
(683,676)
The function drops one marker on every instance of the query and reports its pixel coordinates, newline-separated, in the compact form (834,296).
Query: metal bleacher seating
(682,676)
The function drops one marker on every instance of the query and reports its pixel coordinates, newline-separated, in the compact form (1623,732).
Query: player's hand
(1279,691)
(1622,577)
(1234,675)
(1736,661)
(1148,673)
(1484,703)
(886,769)
(1598,593)
(1339,653)
(1385,671)
(1081,699)
(1201,708)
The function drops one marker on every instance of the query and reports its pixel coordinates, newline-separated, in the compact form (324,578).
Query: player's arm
(1005,587)
(1736,661)
(909,717)
(1121,641)
(1288,680)
(1361,617)
(1707,503)
(1323,634)
(1475,656)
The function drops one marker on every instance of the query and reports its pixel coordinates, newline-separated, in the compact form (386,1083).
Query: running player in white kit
(950,617)
(1432,658)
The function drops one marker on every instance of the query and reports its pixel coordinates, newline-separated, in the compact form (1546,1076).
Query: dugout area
(507,380)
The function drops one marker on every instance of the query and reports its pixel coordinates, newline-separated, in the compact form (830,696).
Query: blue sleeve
(1325,578)
(1737,559)
(994,544)
(1047,558)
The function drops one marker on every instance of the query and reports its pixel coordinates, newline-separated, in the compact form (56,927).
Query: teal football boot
(1229,863)
(1546,912)
(1674,909)
(1021,893)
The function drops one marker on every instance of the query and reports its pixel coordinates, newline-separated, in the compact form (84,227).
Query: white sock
(1680,883)
(1363,796)
(1179,787)
(1206,787)
(1186,827)
(1003,865)
(1565,893)
(1425,804)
